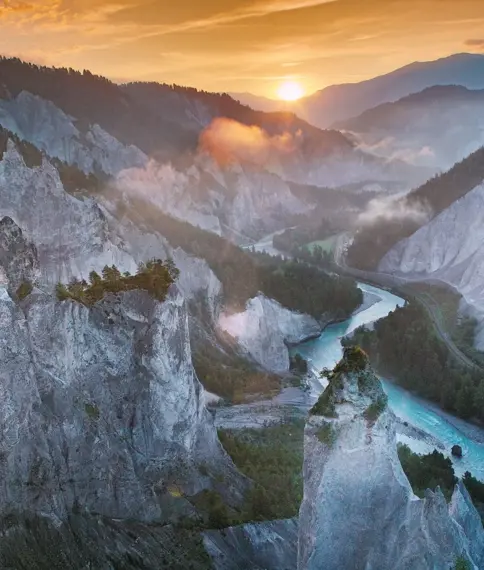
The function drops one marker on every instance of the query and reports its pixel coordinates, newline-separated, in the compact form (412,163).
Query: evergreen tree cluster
(272,457)
(435,470)
(155,277)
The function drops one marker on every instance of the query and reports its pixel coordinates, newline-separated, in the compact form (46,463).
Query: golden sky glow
(239,45)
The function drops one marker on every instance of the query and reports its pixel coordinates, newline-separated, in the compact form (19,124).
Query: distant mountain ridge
(164,142)
(374,240)
(339,102)
(157,118)
(436,127)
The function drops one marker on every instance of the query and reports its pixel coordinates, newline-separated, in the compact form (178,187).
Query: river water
(327,350)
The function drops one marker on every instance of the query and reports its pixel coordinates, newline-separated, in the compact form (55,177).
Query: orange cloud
(228,141)
(477,44)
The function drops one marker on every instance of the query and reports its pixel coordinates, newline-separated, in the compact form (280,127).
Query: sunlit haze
(239,45)
(290,91)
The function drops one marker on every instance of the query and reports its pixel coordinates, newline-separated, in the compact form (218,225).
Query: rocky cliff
(70,233)
(265,329)
(359,510)
(448,248)
(259,546)
(101,408)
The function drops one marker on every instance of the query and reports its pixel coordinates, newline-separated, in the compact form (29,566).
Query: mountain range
(436,127)
(337,103)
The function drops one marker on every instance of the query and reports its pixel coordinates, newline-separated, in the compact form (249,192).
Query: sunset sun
(290,91)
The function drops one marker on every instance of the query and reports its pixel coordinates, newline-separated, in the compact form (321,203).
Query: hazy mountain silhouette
(339,102)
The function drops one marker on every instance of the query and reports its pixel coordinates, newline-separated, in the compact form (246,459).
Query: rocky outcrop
(259,546)
(265,329)
(71,234)
(18,257)
(101,408)
(359,510)
(232,200)
(48,128)
(449,248)
(465,514)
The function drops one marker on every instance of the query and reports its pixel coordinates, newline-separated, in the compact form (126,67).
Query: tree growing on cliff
(155,277)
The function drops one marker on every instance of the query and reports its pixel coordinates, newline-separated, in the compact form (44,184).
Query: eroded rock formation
(359,510)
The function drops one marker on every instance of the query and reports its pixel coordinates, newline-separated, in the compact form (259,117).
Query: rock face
(265,329)
(71,234)
(359,510)
(18,258)
(260,546)
(48,128)
(235,201)
(449,248)
(100,406)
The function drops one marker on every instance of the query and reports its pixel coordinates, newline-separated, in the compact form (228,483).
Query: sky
(239,45)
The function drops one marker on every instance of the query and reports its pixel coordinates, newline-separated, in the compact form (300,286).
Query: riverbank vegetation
(427,471)
(404,346)
(292,239)
(155,277)
(435,470)
(294,284)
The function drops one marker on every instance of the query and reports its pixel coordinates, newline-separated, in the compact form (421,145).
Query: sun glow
(290,91)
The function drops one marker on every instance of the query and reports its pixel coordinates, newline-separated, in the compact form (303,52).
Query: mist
(227,141)
(394,208)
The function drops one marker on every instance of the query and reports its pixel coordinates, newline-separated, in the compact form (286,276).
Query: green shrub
(272,457)
(355,358)
(232,377)
(474,487)
(92,411)
(325,406)
(298,364)
(326,435)
(375,409)
(3,142)
(427,471)
(462,564)
(155,277)
(73,179)
(24,290)
(31,154)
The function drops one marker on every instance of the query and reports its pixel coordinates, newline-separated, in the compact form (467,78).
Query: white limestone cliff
(265,329)
(48,128)
(71,234)
(101,408)
(449,248)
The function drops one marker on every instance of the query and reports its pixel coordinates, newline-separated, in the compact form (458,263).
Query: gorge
(140,343)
